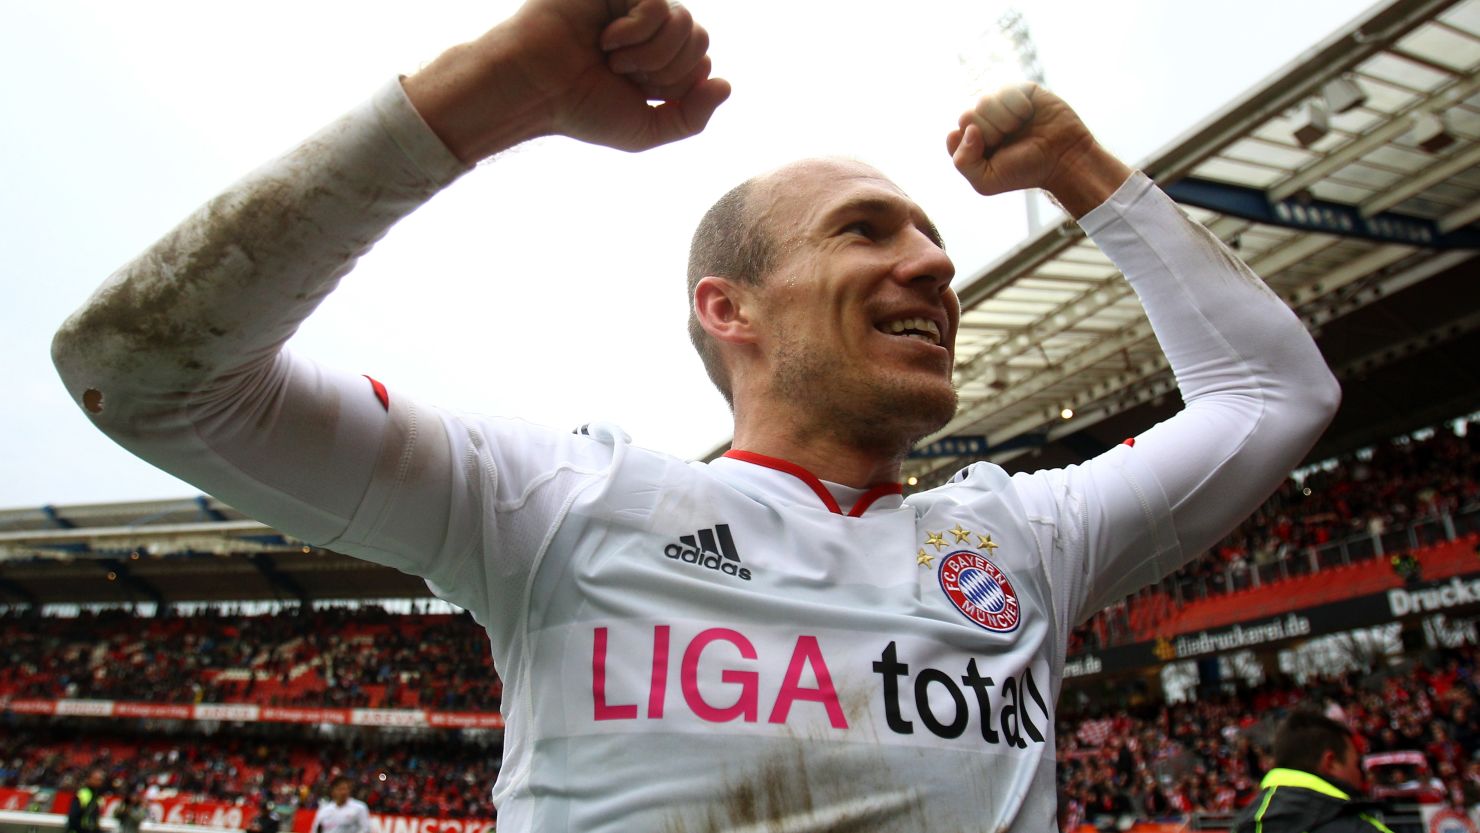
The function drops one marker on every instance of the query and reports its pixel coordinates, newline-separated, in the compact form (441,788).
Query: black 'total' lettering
(962,716)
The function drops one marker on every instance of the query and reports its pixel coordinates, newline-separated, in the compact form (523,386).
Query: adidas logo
(712,549)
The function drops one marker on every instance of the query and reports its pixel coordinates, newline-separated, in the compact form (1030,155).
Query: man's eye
(861,227)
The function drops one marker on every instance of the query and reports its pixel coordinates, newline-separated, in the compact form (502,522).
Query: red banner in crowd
(170,810)
(466,720)
(32,706)
(20,800)
(276,714)
(303,820)
(176,810)
(1141,827)
(250,713)
(168,711)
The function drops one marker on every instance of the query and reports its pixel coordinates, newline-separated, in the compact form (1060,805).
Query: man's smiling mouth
(922,329)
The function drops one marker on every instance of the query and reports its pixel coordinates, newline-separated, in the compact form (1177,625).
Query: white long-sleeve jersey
(689,647)
(353,816)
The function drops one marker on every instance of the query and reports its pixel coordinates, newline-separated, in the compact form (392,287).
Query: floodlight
(1312,124)
(1343,94)
(1430,133)
(997,376)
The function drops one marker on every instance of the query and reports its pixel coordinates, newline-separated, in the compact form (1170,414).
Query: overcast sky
(548,284)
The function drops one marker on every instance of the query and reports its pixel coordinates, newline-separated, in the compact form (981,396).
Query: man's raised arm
(178,356)
(1258,393)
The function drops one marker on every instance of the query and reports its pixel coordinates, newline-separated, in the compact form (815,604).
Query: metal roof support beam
(26,596)
(1088,416)
(1387,286)
(1337,54)
(1043,380)
(1328,217)
(1149,388)
(971,416)
(277,578)
(1299,248)
(1293,83)
(1356,269)
(1409,347)
(118,571)
(125,536)
(1145,374)
(1381,135)
(1460,217)
(1453,166)
(207,511)
(1021,260)
(55,518)
(1057,320)
(974,447)
(1349,153)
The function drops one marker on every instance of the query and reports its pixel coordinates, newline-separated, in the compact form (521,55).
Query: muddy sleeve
(180,355)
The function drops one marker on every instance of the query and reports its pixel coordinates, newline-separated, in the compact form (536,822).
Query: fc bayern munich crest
(980,590)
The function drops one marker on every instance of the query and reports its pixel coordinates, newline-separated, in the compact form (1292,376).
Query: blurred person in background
(1315,784)
(131,812)
(342,814)
(83,814)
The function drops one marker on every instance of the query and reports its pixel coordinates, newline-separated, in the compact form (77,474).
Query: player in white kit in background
(777,639)
(341,813)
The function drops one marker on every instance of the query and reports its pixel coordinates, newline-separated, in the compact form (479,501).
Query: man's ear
(1328,763)
(723,309)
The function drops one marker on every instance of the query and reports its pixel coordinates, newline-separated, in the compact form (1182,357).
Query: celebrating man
(777,639)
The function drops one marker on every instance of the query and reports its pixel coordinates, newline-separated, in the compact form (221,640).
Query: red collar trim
(807,477)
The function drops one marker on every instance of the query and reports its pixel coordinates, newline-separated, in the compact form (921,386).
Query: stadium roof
(173,550)
(1365,224)
(1367,230)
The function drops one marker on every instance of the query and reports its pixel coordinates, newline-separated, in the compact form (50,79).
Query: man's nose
(924,261)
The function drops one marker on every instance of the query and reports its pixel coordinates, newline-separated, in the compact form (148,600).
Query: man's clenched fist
(580,68)
(1024,136)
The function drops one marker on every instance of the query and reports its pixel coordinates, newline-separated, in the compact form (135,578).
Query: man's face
(339,793)
(95,779)
(858,316)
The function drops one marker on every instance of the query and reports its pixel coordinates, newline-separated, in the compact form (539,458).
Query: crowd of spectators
(1153,762)
(1156,761)
(333,657)
(1402,483)
(283,767)
(1166,761)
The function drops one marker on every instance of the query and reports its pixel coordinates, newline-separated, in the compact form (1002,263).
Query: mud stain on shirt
(790,794)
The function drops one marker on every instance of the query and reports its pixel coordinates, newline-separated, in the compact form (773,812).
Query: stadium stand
(1157,761)
(285,767)
(1368,234)
(1171,761)
(362,657)
(1326,534)
(1150,760)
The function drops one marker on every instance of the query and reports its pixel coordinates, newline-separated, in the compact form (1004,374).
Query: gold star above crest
(985,542)
(961,534)
(923,558)
(935,539)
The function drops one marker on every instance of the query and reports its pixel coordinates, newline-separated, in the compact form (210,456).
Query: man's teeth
(921,328)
